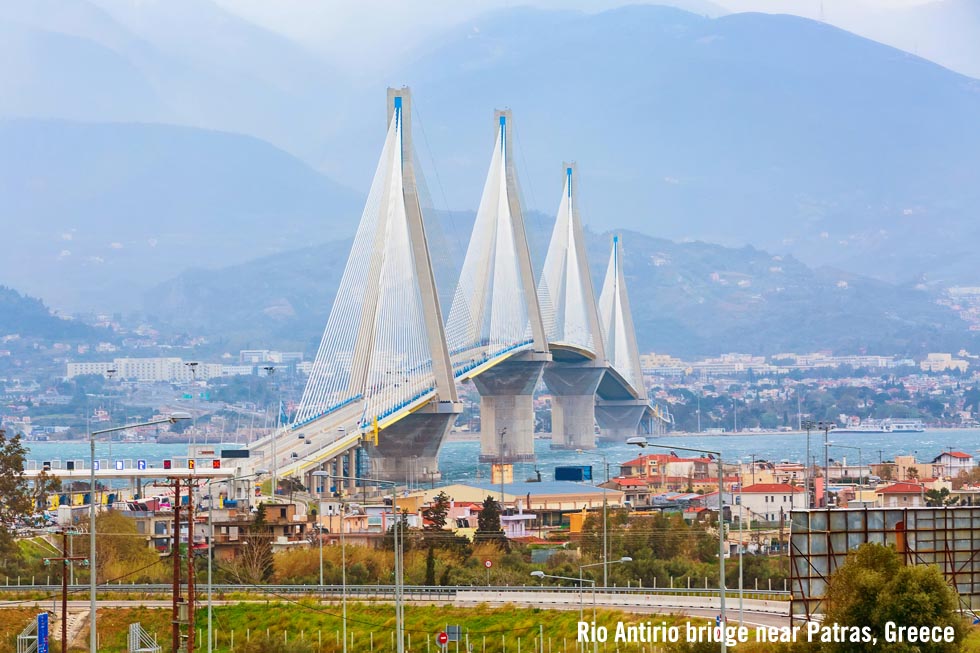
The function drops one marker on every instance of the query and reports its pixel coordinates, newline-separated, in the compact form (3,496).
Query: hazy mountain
(688,299)
(29,317)
(944,31)
(179,61)
(95,213)
(769,130)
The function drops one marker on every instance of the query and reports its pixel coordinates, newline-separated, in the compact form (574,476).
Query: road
(761,612)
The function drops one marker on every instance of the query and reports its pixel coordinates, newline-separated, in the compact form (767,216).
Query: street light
(581,600)
(399,603)
(605,566)
(257,472)
(322,474)
(860,459)
(171,419)
(605,522)
(826,427)
(809,425)
(641,441)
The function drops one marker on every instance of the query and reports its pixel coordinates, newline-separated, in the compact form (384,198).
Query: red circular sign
(487,563)
(442,638)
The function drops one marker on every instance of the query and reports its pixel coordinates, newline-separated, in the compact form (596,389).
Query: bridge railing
(461,369)
(331,409)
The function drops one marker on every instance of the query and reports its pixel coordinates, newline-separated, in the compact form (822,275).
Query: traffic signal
(167,464)
(190,463)
(216,464)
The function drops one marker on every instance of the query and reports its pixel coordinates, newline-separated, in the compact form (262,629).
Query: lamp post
(322,474)
(398,542)
(605,524)
(807,472)
(641,441)
(860,459)
(605,567)
(258,472)
(581,594)
(171,419)
(741,544)
(826,427)
(269,371)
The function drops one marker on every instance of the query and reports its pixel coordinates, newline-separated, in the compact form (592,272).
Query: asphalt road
(756,612)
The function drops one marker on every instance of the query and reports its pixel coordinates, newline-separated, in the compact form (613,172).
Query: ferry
(885,426)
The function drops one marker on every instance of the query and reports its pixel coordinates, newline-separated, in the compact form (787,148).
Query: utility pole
(190,566)
(66,560)
(808,470)
(175,552)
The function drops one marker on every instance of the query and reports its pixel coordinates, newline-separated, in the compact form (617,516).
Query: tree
(488,524)
(436,513)
(291,485)
(253,563)
(44,485)
(938,498)
(122,552)
(15,506)
(873,587)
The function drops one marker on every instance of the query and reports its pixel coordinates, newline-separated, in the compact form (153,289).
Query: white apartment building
(768,502)
(151,370)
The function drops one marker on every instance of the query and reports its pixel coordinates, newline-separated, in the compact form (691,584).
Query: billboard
(821,538)
(574,473)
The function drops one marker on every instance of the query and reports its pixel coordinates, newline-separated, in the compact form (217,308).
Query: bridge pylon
(496,334)
(383,367)
(572,324)
(622,408)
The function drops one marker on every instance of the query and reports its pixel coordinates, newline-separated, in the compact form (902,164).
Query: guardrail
(411,592)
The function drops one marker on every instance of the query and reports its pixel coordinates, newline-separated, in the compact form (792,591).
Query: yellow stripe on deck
(483,367)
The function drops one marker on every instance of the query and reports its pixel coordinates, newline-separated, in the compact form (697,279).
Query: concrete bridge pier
(619,419)
(410,446)
(507,408)
(573,387)
(340,466)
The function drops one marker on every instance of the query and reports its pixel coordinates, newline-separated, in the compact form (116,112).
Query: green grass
(368,624)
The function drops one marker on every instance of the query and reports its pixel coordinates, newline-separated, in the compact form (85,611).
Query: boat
(884,426)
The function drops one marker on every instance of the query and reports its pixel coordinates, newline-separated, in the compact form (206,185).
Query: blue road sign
(42,632)
(120,465)
(140,464)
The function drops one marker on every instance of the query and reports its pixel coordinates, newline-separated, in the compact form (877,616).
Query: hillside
(30,318)
(688,299)
(95,213)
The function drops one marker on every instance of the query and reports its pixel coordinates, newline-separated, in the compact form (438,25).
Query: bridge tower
(496,336)
(383,364)
(622,408)
(572,326)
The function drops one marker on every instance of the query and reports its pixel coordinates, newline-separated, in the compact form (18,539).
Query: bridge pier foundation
(410,446)
(573,387)
(507,408)
(619,420)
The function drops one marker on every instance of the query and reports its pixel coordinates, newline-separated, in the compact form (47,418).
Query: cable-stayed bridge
(384,378)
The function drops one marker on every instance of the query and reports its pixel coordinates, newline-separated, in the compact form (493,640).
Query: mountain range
(688,299)
(28,317)
(143,140)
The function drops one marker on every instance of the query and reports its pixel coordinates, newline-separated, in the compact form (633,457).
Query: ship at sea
(884,426)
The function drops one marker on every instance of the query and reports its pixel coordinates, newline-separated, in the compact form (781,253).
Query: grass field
(309,627)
